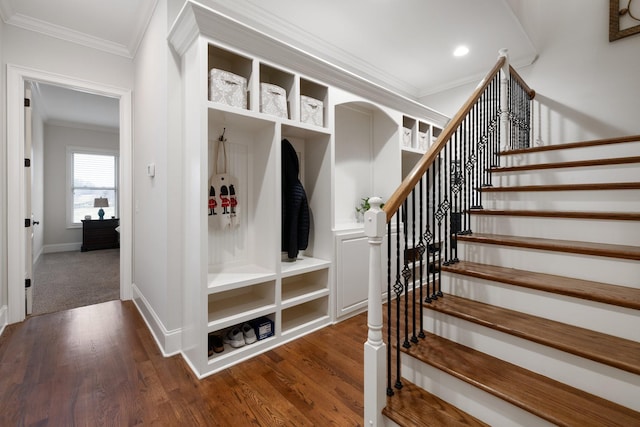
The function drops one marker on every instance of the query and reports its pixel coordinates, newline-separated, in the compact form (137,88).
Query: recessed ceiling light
(461,51)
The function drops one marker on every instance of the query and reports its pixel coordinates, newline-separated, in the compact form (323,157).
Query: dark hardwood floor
(99,366)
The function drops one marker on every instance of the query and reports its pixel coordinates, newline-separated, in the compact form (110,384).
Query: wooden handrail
(407,185)
(521,82)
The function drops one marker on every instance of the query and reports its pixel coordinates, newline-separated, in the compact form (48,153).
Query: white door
(28,223)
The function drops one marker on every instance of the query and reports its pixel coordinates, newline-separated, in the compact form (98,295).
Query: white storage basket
(311,111)
(273,100)
(227,88)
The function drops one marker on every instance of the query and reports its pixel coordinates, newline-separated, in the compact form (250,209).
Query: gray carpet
(65,280)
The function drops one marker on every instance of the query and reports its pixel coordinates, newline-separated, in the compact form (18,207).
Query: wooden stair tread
(415,406)
(570,145)
(621,296)
(546,398)
(569,246)
(567,187)
(572,164)
(581,342)
(623,216)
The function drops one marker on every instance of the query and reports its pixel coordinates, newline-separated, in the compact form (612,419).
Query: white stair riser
(586,267)
(585,230)
(629,149)
(581,175)
(472,400)
(605,318)
(586,201)
(609,383)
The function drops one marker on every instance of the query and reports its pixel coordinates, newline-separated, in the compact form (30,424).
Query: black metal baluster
(429,234)
(406,274)
(398,291)
(414,337)
(421,249)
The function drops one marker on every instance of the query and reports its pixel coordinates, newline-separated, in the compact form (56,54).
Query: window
(92,174)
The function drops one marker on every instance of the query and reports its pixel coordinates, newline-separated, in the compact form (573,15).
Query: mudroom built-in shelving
(237,276)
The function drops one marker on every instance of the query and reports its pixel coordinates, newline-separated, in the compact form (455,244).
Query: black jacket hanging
(295,207)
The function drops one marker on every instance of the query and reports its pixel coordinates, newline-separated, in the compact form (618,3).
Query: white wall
(586,87)
(157,236)
(54,56)
(40,52)
(56,140)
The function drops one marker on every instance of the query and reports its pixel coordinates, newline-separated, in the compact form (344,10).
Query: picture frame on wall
(624,19)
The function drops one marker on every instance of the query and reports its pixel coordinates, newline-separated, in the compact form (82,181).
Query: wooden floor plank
(621,296)
(553,401)
(581,342)
(99,365)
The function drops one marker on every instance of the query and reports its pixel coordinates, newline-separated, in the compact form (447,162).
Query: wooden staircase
(540,322)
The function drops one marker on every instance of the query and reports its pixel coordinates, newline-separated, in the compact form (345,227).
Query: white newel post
(374,349)
(504,100)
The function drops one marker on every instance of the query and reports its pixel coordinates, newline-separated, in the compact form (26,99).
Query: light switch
(151,169)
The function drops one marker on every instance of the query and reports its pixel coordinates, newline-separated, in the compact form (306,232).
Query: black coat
(295,207)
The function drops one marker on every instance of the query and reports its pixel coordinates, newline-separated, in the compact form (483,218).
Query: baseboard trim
(3,318)
(169,342)
(61,247)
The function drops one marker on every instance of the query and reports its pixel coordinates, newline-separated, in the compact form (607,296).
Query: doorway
(17,78)
(73,160)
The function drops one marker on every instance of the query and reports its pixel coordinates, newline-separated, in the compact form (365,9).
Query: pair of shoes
(240,335)
(249,334)
(234,337)
(215,344)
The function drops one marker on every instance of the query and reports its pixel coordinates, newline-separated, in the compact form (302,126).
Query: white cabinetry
(234,276)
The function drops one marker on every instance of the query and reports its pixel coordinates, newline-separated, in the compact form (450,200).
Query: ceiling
(404,45)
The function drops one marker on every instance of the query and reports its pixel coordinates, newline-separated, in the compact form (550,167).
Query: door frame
(17,76)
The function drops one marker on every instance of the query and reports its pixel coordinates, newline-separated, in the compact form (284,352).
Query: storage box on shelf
(435,133)
(277,90)
(423,136)
(229,77)
(408,132)
(313,100)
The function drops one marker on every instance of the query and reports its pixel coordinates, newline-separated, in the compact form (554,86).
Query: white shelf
(234,353)
(303,265)
(413,150)
(303,297)
(235,277)
(304,315)
(239,304)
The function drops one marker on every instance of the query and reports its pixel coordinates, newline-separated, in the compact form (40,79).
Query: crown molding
(196,19)
(66,34)
(267,22)
(143,15)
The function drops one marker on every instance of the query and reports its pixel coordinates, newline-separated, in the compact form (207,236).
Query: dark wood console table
(99,234)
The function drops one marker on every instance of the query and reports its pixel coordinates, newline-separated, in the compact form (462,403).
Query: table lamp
(101,202)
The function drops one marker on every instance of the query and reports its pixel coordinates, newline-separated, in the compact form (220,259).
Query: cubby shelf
(303,264)
(230,353)
(304,315)
(241,304)
(239,276)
